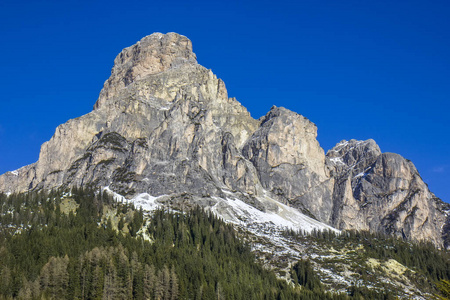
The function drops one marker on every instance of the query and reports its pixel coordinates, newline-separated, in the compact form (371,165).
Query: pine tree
(173,291)
(54,278)
(149,281)
(5,281)
(444,287)
(110,282)
(25,292)
(136,276)
(219,292)
(125,286)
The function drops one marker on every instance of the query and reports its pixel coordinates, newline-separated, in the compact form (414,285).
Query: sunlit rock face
(290,162)
(164,125)
(383,192)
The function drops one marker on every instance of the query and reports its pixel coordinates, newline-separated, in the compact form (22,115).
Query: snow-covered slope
(274,215)
(278,216)
(263,227)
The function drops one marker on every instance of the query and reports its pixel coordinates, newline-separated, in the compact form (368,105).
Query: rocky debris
(164,125)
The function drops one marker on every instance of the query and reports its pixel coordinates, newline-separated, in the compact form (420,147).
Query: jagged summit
(153,54)
(383,192)
(353,154)
(164,126)
(345,145)
(157,95)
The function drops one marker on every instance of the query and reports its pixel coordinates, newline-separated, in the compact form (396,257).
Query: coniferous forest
(83,244)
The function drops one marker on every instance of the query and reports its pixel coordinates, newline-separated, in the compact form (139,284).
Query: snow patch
(116,197)
(227,192)
(15,173)
(337,160)
(279,217)
(145,201)
(342,144)
(362,174)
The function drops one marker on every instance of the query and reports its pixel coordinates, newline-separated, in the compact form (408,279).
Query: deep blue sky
(358,69)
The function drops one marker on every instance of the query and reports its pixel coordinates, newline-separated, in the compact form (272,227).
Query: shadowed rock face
(163,124)
(290,162)
(384,193)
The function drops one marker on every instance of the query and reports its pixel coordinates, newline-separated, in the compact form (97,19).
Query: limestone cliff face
(290,161)
(153,54)
(383,192)
(162,124)
(165,125)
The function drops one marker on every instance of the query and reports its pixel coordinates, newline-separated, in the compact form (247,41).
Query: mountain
(164,132)
(383,192)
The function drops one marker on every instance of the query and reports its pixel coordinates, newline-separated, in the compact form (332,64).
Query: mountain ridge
(164,124)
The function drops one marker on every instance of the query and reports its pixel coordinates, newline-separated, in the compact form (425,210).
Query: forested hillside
(52,253)
(84,245)
(378,261)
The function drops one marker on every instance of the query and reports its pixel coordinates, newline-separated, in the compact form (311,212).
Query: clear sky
(358,69)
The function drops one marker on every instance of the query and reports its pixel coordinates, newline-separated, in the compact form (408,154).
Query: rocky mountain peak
(164,125)
(153,54)
(290,138)
(290,161)
(353,155)
(344,146)
(383,192)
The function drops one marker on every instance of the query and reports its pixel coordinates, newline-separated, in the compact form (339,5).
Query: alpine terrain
(164,134)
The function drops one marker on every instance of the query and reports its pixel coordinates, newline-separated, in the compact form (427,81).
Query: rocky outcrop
(383,192)
(290,161)
(153,54)
(163,124)
(160,115)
